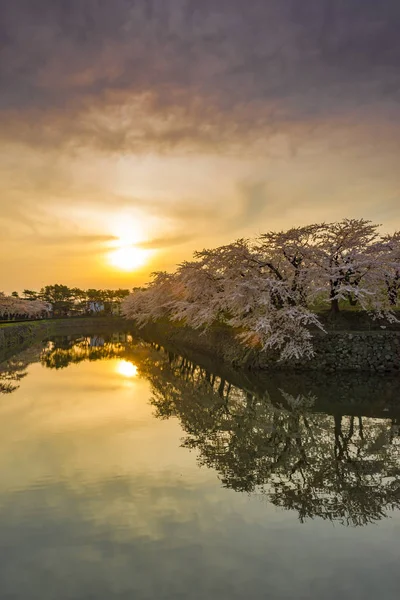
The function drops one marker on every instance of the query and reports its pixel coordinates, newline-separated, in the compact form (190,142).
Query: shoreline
(337,350)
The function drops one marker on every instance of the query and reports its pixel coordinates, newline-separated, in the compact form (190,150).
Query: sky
(133,132)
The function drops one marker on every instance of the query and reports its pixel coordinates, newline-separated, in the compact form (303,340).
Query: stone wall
(360,351)
(373,351)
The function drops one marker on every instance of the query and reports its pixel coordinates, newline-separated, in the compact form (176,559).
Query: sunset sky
(173,125)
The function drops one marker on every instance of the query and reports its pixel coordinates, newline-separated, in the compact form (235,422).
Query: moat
(131,471)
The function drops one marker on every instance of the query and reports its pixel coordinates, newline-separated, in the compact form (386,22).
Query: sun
(129,249)
(128,258)
(126,369)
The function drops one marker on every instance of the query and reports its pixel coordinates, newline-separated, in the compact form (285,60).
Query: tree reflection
(11,374)
(59,354)
(13,370)
(273,438)
(340,468)
(65,351)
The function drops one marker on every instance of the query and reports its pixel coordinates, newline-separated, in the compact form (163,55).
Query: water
(129,472)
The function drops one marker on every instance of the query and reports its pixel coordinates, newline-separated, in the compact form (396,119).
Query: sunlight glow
(127,230)
(126,369)
(126,253)
(128,258)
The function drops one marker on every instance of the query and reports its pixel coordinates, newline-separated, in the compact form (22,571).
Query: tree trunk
(335,305)
(334,285)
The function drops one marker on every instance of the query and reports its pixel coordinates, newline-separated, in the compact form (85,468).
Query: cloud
(134,75)
(73,238)
(254,201)
(166,242)
(196,119)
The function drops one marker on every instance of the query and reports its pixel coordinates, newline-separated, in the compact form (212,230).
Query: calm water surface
(128,472)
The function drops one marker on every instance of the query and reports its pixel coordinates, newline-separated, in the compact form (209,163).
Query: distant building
(95,307)
(96,341)
(116,309)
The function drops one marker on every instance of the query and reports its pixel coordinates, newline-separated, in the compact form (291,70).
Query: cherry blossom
(266,290)
(11,306)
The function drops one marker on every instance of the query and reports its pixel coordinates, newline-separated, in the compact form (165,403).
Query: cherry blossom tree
(12,306)
(262,307)
(227,285)
(266,289)
(290,256)
(153,302)
(388,252)
(344,255)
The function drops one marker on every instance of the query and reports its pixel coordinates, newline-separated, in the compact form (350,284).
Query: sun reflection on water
(126,368)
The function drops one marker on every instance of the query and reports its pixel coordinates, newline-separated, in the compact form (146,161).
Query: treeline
(65,299)
(273,289)
(61,300)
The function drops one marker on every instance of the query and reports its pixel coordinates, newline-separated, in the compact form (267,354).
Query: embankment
(350,350)
(373,351)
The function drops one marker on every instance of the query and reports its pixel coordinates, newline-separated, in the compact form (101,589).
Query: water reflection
(13,370)
(322,447)
(338,467)
(126,369)
(64,351)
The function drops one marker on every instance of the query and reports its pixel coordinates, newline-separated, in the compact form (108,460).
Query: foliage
(266,289)
(12,306)
(60,300)
(66,300)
